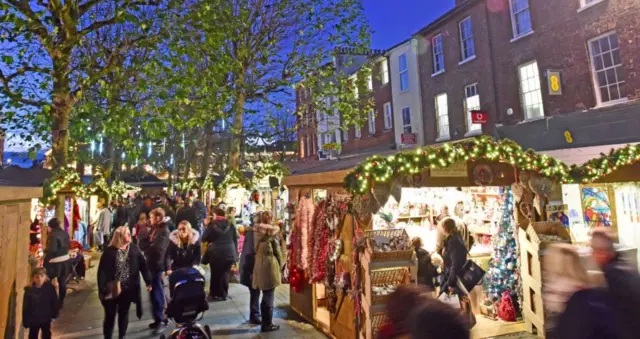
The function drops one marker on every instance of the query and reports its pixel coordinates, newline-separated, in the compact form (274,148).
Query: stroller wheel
(207,330)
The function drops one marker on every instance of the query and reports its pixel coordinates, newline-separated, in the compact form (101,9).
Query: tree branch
(6,90)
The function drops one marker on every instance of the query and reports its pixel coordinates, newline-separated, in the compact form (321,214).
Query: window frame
(370,81)
(594,72)
(384,71)
(372,122)
(523,94)
(464,40)
(514,26)
(403,72)
(441,131)
(406,124)
(357,132)
(471,128)
(435,55)
(388,116)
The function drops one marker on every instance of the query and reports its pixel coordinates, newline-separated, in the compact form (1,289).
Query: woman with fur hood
(184,248)
(266,271)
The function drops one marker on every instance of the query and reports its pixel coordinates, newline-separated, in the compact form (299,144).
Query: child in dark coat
(40,305)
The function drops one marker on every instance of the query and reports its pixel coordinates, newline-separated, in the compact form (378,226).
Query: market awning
(24,177)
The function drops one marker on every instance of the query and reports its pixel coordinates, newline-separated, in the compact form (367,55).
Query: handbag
(452,300)
(470,275)
(114,288)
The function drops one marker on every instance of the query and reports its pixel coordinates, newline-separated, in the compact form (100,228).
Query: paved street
(83,314)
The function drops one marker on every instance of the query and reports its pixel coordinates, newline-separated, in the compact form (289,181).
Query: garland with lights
(235,178)
(598,168)
(380,170)
(187,185)
(61,178)
(271,169)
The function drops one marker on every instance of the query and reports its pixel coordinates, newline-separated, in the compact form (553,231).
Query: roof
(579,156)
(24,177)
(141,178)
(346,161)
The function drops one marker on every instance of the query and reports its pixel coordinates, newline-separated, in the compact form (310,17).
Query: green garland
(187,185)
(68,177)
(271,169)
(379,170)
(235,178)
(598,168)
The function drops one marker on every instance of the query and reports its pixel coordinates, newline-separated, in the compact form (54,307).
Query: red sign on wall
(408,138)
(479,117)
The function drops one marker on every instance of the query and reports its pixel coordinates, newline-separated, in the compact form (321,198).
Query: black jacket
(623,285)
(223,242)
(158,244)
(121,217)
(40,305)
(138,266)
(455,256)
(589,315)
(426,270)
(188,214)
(57,245)
(180,257)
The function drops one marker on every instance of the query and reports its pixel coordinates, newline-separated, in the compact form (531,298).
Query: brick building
(524,60)
(307,136)
(378,132)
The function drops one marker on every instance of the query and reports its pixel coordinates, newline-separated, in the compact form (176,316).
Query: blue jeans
(157,297)
(254,303)
(266,306)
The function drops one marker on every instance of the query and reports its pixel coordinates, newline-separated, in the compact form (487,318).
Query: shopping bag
(467,312)
(470,275)
(450,299)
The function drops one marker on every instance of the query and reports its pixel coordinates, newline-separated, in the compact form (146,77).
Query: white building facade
(407,102)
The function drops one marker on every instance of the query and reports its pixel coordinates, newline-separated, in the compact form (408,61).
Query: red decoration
(295,279)
(506,311)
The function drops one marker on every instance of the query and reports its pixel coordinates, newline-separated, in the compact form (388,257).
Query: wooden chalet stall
(325,301)
(16,203)
(494,188)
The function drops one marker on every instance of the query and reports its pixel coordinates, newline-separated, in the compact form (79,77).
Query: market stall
(321,257)
(493,188)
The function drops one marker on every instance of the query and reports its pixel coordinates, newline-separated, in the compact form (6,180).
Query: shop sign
(457,170)
(479,117)
(408,138)
(554,83)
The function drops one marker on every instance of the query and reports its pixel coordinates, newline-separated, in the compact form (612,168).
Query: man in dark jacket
(221,254)
(623,282)
(454,255)
(187,213)
(121,216)
(155,254)
(55,261)
(201,212)
(247,262)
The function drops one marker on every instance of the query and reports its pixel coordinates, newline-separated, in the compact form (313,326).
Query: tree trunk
(206,153)
(61,111)
(237,128)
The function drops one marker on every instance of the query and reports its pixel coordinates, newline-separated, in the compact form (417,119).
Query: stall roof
(346,161)
(24,177)
(579,156)
(141,178)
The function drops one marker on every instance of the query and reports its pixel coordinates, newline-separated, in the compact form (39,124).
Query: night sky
(396,20)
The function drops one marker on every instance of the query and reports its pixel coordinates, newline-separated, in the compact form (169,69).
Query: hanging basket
(389,278)
(395,254)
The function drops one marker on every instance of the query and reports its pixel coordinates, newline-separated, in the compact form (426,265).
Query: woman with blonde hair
(266,271)
(119,272)
(564,275)
(184,248)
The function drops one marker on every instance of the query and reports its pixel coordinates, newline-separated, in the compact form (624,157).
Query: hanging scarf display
(300,235)
(318,242)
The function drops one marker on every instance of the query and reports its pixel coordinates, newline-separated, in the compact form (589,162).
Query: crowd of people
(164,236)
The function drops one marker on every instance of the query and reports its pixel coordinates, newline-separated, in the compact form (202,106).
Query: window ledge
(471,58)
(437,73)
(612,103)
(587,6)
(473,133)
(440,139)
(533,119)
(522,36)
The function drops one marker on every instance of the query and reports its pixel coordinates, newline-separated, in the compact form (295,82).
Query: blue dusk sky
(393,21)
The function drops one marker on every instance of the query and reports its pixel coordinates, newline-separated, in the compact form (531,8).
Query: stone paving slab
(83,315)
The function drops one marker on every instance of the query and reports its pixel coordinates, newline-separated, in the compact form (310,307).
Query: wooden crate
(531,243)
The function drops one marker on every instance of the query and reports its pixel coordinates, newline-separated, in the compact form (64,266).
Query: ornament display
(389,244)
(383,289)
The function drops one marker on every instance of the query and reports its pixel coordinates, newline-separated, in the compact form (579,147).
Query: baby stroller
(188,304)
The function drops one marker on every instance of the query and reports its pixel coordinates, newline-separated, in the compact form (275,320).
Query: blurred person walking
(119,272)
(102,226)
(622,280)
(221,254)
(399,307)
(155,254)
(434,319)
(40,305)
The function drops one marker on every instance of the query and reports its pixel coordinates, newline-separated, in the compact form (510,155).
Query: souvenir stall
(484,185)
(608,195)
(320,257)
